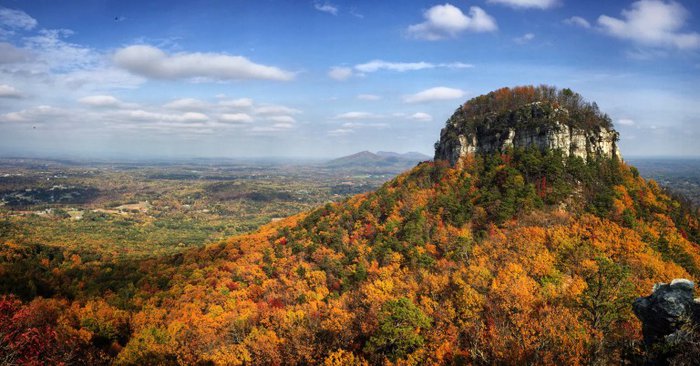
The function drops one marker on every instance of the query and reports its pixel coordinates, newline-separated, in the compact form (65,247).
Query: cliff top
(527,103)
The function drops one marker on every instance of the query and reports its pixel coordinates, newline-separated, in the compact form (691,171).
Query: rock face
(540,124)
(664,311)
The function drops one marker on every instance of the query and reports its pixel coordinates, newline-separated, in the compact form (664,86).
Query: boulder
(666,310)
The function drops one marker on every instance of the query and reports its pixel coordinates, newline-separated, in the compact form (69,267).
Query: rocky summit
(528,117)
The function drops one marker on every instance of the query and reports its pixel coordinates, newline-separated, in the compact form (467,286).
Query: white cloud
(101,101)
(364,125)
(525,38)
(421,117)
(282,119)
(652,23)
(59,55)
(277,127)
(340,73)
(51,63)
(282,125)
(341,132)
(434,94)
(625,122)
(343,73)
(152,62)
(356,116)
(270,110)
(187,104)
(35,114)
(526,4)
(236,118)
(326,8)
(578,21)
(8,91)
(143,115)
(16,19)
(194,117)
(370,97)
(237,103)
(10,54)
(376,65)
(444,21)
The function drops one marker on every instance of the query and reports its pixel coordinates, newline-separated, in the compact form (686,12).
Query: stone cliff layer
(540,124)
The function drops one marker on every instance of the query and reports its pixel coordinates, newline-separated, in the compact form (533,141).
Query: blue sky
(105,79)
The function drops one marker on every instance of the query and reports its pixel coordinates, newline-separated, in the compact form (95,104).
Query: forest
(522,257)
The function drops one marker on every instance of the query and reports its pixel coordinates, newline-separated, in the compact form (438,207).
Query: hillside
(525,255)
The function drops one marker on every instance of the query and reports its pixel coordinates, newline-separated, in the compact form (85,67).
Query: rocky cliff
(544,118)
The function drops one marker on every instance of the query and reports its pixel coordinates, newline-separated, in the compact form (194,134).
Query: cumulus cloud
(657,23)
(269,110)
(8,91)
(369,97)
(435,94)
(356,116)
(421,117)
(447,21)
(237,103)
(282,119)
(16,19)
(340,73)
(151,62)
(236,118)
(526,4)
(187,104)
(101,101)
(525,38)
(143,115)
(36,114)
(50,62)
(578,22)
(326,8)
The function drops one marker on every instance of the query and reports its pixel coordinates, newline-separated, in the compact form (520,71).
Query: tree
(604,301)
(400,326)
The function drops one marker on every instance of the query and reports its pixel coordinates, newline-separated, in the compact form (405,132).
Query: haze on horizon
(106,79)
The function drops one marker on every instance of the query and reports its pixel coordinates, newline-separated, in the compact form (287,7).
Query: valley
(150,209)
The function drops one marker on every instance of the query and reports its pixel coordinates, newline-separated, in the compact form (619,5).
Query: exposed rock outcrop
(540,124)
(666,310)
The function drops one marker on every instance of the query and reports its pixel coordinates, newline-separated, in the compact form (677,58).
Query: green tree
(400,326)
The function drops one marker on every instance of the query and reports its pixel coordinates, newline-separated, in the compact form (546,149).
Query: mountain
(411,155)
(382,159)
(506,254)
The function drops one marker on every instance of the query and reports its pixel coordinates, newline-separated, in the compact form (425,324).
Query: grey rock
(666,310)
(538,124)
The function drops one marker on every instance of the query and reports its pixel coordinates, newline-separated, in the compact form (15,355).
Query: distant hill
(381,159)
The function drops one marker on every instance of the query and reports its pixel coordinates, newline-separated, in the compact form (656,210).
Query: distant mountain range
(380,159)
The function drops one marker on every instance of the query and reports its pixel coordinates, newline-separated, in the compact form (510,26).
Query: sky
(321,79)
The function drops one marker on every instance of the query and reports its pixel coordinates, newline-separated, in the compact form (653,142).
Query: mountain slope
(428,246)
(518,256)
(382,159)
